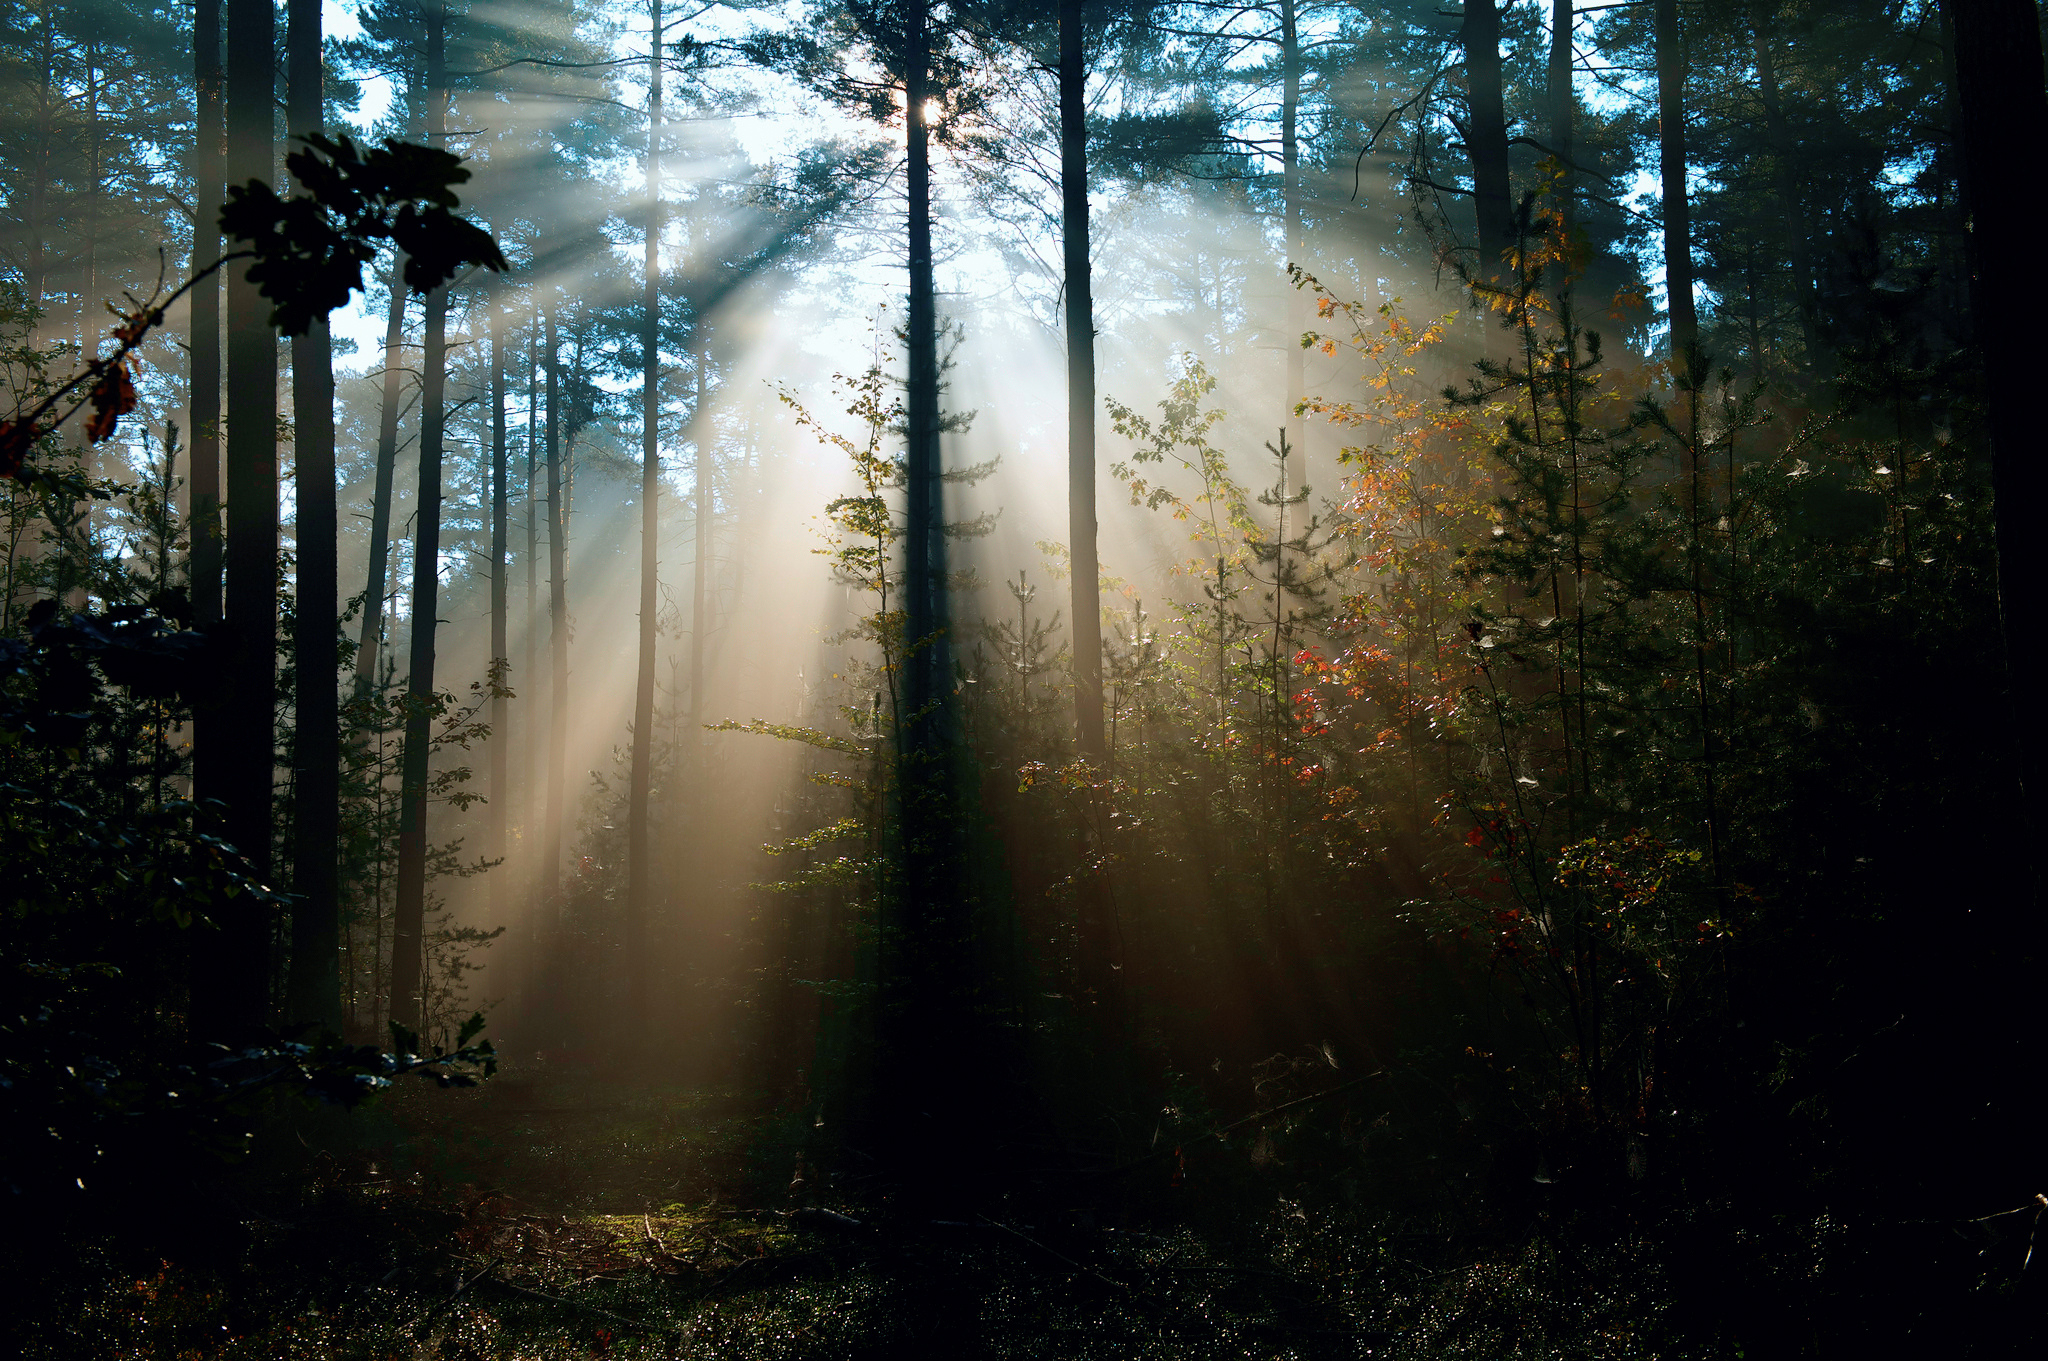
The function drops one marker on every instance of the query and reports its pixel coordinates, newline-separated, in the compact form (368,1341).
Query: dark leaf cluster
(311,248)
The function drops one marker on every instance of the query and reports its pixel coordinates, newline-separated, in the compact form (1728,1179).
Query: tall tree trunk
(1678,271)
(408,927)
(639,834)
(1563,102)
(232,997)
(313,989)
(924,529)
(1293,239)
(558,633)
(500,809)
(1998,64)
(1785,181)
(371,637)
(203,402)
(1487,148)
(925,973)
(529,726)
(1081,523)
(701,512)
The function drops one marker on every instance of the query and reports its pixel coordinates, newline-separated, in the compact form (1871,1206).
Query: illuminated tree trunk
(408,928)
(313,987)
(1081,523)
(702,510)
(558,634)
(639,837)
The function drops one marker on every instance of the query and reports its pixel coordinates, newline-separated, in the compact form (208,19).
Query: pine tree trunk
(639,834)
(1998,64)
(499,811)
(312,992)
(1798,249)
(702,511)
(208,176)
(924,531)
(558,635)
(408,928)
(1487,149)
(232,999)
(1293,238)
(1081,521)
(1678,271)
(370,639)
(1563,102)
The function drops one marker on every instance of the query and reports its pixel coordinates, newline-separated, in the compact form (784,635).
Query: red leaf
(15,439)
(113,397)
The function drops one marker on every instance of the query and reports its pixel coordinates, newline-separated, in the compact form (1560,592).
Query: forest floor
(564,1217)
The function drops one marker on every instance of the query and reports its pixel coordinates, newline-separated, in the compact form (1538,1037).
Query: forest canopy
(1125,678)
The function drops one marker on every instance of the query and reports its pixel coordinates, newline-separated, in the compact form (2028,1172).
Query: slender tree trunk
(370,640)
(702,510)
(1081,523)
(924,528)
(558,633)
(500,809)
(1678,271)
(209,171)
(231,999)
(639,833)
(1563,102)
(1293,239)
(1487,148)
(1998,63)
(371,637)
(312,992)
(529,725)
(1785,180)
(408,931)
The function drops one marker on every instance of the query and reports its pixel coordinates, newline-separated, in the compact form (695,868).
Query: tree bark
(232,1000)
(1081,521)
(639,833)
(1293,238)
(1798,249)
(530,760)
(370,640)
(1563,102)
(703,509)
(1486,146)
(924,529)
(209,173)
(313,988)
(558,634)
(499,810)
(408,927)
(1998,64)
(1678,271)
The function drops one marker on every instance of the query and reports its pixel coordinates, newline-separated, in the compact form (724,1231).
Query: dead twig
(1060,1256)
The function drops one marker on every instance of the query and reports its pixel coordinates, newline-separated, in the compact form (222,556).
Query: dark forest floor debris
(489,1228)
